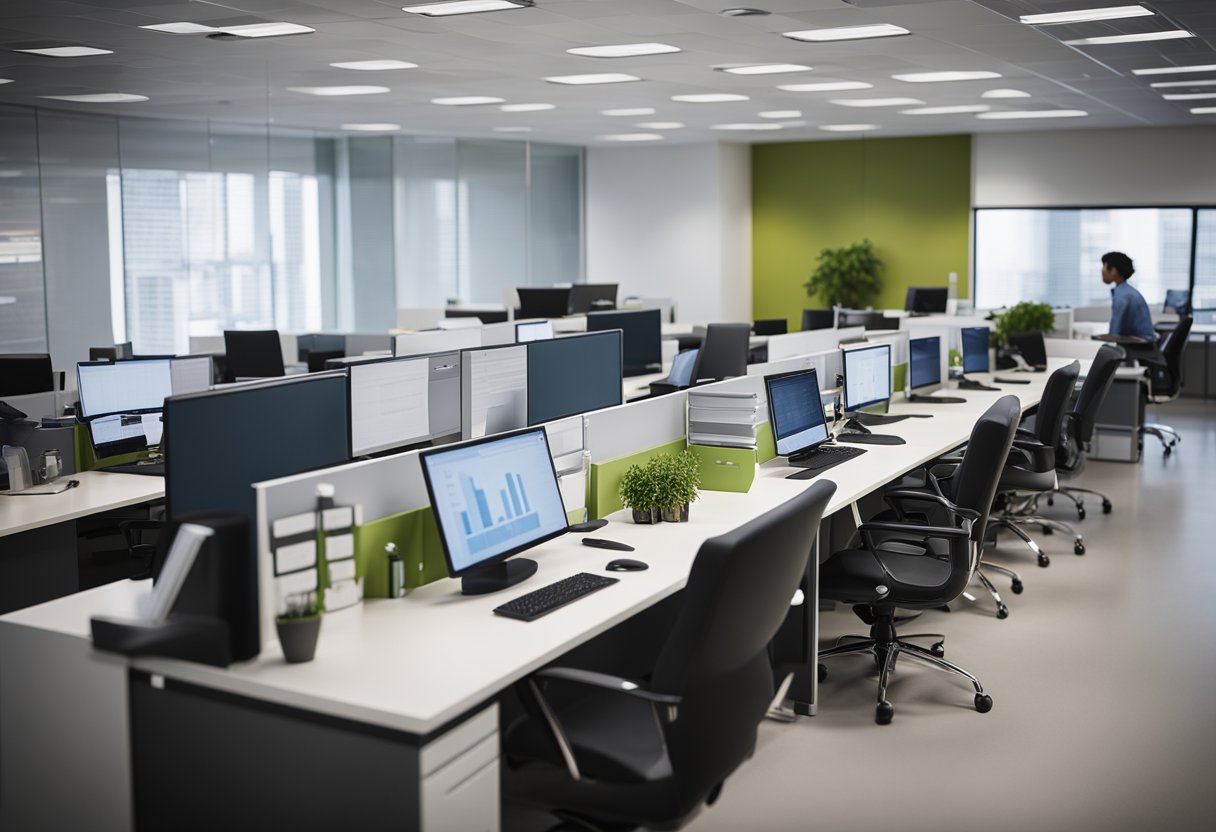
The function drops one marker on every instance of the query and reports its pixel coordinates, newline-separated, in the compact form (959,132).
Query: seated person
(1130,321)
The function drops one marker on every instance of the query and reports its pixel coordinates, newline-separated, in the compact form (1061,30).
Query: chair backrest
(1101,375)
(716,655)
(975,480)
(1057,393)
(681,368)
(771,326)
(253,354)
(723,352)
(818,319)
(25,373)
(1172,348)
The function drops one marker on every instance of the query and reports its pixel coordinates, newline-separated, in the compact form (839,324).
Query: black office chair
(628,753)
(723,353)
(771,326)
(316,359)
(923,559)
(25,373)
(818,319)
(1165,380)
(253,354)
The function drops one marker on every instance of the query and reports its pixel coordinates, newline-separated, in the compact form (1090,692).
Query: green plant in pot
(299,627)
(661,488)
(850,277)
(1022,317)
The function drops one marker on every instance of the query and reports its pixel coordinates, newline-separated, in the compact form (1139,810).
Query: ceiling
(508,54)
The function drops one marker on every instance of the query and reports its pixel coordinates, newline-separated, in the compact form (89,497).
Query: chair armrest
(606,681)
(894,498)
(920,534)
(1032,453)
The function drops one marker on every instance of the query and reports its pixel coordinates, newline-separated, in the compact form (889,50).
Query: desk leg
(796,646)
(38,565)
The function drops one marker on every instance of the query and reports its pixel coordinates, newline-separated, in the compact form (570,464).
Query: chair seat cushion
(1021,479)
(853,575)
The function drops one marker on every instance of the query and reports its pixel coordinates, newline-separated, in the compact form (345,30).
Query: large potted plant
(850,277)
(1022,317)
(661,488)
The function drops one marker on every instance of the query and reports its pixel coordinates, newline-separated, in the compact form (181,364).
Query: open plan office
(577,415)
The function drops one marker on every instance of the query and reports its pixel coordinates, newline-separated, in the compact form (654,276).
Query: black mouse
(626,565)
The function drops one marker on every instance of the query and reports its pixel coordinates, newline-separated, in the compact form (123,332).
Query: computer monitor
(494,390)
(389,404)
(318,342)
(818,319)
(771,326)
(642,335)
(795,412)
(975,349)
(1031,346)
(536,302)
(25,373)
(577,374)
(1177,301)
(533,331)
(191,374)
(493,498)
(867,376)
(925,364)
(127,387)
(122,433)
(253,354)
(723,352)
(591,297)
(926,300)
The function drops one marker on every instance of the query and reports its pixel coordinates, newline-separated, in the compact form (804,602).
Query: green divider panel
(322,569)
(899,377)
(575,516)
(766,446)
(606,477)
(417,539)
(725,469)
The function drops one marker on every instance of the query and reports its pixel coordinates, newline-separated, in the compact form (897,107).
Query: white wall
(673,221)
(1146,166)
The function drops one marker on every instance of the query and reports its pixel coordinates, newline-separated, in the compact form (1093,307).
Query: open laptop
(800,429)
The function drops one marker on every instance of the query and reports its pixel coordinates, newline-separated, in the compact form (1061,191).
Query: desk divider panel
(618,437)
(810,341)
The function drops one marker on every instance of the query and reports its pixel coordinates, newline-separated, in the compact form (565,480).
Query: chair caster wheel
(1002,611)
(1044,561)
(1078,548)
(1051,501)
(823,672)
(1106,507)
(885,712)
(1168,450)
(1017,587)
(1080,512)
(944,608)
(983,703)
(1047,530)
(938,649)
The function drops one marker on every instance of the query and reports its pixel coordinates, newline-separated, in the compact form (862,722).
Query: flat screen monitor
(926,299)
(642,337)
(128,387)
(975,349)
(533,331)
(493,390)
(493,498)
(389,405)
(818,319)
(591,297)
(795,411)
(867,376)
(578,374)
(535,302)
(191,374)
(253,354)
(925,363)
(122,433)
(1177,301)
(24,373)
(1031,346)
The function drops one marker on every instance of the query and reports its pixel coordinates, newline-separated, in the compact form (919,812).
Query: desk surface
(414,664)
(98,491)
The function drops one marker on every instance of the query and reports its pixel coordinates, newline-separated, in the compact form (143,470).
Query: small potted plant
(299,627)
(1022,317)
(662,488)
(638,492)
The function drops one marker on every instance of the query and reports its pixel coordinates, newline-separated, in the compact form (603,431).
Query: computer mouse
(626,565)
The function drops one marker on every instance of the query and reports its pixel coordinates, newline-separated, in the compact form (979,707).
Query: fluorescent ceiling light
(660,125)
(99,98)
(66,51)
(877,30)
(465,7)
(1005,94)
(709,98)
(1189,96)
(526,108)
(182,28)
(594,78)
(1174,70)
(632,137)
(512,129)
(6,80)
(1085,15)
(1203,111)
(1002,115)
(623,50)
(364,90)
(826,86)
(467,100)
(372,127)
(937,77)
(629,111)
(763,69)
(374,66)
(1172,34)
(848,128)
(757,126)
(946,111)
(1161,85)
(877,102)
(267,30)
(781,114)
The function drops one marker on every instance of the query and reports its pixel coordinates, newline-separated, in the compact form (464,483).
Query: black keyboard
(823,458)
(156,468)
(548,598)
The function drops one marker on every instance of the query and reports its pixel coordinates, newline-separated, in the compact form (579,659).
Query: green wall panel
(910,196)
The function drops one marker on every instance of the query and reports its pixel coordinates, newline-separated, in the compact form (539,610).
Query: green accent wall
(910,196)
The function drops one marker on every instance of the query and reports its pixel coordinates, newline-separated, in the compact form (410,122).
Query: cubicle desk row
(407,687)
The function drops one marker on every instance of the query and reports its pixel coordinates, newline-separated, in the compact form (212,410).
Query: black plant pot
(676,515)
(646,516)
(298,637)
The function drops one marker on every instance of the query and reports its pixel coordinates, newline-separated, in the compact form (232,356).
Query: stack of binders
(726,420)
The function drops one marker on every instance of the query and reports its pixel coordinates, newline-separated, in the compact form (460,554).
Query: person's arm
(1118,314)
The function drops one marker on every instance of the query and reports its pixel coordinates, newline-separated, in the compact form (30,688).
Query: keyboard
(824,457)
(548,598)
(156,468)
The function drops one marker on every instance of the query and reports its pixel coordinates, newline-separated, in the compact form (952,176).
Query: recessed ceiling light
(756,126)
(364,90)
(629,111)
(512,129)
(826,86)
(781,114)
(181,28)
(848,128)
(877,102)
(465,7)
(743,12)
(1174,70)
(1203,111)
(632,137)
(1002,115)
(66,51)
(939,77)
(1141,37)
(1085,15)
(1161,85)
(1189,96)
(1005,94)
(372,127)
(946,111)
(876,30)
(798,123)
(623,50)
(267,30)
(467,100)
(709,98)
(594,78)
(526,108)
(763,69)
(374,66)
(660,125)
(99,98)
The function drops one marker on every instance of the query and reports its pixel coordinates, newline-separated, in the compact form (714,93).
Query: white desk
(97,492)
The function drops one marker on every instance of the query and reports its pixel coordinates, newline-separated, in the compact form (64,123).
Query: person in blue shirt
(1129,315)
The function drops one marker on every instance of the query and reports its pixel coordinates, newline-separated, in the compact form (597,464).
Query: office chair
(316,359)
(770,326)
(921,560)
(253,354)
(625,753)
(723,354)
(25,373)
(818,319)
(680,375)
(1165,380)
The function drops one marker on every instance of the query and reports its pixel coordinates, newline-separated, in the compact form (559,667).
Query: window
(1205,260)
(22,295)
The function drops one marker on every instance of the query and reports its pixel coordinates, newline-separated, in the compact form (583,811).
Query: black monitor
(925,364)
(578,374)
(795,412)
(867,376)
(818,319)
(126,387)
(493,498)
(592,297)
(642,332)
(319,342)
(723,352)
(253,354)
(975,349)
(25,373)
(549,302)
(1032,347)
(867,319)
(1177,301)
(926,300)
(771,326)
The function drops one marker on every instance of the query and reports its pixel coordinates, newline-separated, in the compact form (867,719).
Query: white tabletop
(98,491)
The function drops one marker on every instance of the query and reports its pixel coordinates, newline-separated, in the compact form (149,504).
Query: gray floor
(1102,678)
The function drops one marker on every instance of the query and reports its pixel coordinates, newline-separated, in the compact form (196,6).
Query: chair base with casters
(1073,493)
(1168,436)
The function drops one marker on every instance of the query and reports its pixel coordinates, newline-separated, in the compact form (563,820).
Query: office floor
(1102,676)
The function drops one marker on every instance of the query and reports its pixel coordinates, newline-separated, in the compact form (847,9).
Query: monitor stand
(861,417)
(920,398)
(857,433)
(495,576)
